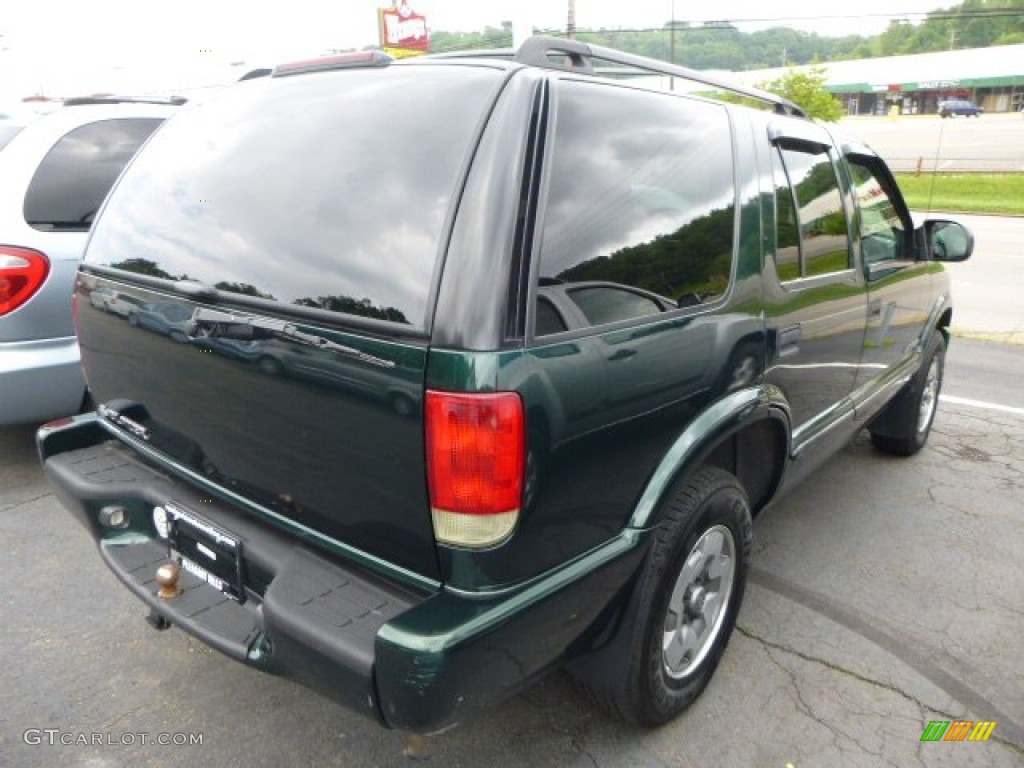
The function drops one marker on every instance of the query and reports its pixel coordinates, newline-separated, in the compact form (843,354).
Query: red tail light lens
(22,272)
(476,448)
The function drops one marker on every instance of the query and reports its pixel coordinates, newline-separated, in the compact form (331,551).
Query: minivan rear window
(327,190)
(77,173)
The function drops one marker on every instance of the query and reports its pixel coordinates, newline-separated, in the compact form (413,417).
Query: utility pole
(672,45)
(570,26)
(952,39)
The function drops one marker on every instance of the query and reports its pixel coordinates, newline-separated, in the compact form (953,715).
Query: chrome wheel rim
(929,396)
(699,602)
(744,373)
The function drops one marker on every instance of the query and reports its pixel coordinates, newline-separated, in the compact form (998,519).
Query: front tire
(689,596)
(903,427)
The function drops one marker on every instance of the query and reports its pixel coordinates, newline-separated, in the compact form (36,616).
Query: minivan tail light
(476,449)
(22,272)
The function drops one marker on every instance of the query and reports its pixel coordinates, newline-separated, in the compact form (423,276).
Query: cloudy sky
(64,47)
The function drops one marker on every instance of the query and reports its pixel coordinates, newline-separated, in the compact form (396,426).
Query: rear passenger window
(73,179)
(812,239)
(641,196)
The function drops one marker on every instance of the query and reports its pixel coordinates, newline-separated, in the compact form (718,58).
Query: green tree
(143,267)
(807,90)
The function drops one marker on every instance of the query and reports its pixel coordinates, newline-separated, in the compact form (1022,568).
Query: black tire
(903,427)
(269,365)
(678,589)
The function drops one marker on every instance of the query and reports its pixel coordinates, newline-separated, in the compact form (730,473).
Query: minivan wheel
(269,365)
(903,427)
(689,596)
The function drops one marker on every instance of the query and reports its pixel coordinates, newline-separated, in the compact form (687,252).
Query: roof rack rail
(350,60)
(79,101)
(506,54)
(574,56)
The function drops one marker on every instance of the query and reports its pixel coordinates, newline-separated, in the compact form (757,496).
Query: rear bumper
(39,380)
(411,659)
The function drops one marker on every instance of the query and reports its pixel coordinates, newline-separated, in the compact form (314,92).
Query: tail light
(22,272)
(476,449)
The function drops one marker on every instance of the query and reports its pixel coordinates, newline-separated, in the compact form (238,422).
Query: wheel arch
(746,433)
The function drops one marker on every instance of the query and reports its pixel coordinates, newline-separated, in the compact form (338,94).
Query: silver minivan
(55,172)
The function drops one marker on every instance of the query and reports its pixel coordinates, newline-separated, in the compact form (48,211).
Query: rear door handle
(789,340)
(623,354)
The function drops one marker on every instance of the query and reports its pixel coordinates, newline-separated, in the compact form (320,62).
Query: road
(987,287)
(884,594)
(987,143)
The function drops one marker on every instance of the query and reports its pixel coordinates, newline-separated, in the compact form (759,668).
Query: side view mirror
(947,240)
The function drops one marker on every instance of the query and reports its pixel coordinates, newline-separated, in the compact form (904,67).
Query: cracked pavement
(884,594)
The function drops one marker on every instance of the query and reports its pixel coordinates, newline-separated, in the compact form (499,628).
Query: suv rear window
(73,179)
(326,190)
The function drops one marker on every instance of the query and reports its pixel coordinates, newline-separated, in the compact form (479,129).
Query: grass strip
(999,193)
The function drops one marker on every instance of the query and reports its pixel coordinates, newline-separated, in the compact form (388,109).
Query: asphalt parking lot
(885,594)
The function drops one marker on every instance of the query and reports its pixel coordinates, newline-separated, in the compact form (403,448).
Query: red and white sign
(403,31)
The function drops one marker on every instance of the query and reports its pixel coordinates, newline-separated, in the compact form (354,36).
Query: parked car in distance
(114,302)
(628,319)
(955,107)
(169,318)
(55,171)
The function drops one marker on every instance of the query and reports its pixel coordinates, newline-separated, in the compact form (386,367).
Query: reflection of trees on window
(245,289)
(881,229)
(822,219)
(351,306)
(695,259)
(142,267)
(787,243)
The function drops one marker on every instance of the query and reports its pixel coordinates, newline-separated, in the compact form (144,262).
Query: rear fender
(698,441)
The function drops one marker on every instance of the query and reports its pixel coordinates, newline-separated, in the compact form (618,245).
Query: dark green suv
(621,322)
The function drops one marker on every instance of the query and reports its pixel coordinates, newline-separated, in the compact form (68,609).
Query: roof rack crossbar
(80,101)
(579,57)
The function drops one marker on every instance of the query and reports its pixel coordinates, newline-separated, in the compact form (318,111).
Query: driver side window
(882,231)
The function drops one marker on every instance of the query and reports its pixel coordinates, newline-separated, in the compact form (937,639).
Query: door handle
(622,354)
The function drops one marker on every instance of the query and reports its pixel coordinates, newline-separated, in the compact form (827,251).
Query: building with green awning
(992,77)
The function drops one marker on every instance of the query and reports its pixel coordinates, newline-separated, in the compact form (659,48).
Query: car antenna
(935,163)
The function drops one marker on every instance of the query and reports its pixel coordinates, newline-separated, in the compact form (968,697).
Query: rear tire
(689,595)
(902,429)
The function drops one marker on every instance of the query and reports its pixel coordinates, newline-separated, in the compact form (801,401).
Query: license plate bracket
(206,550)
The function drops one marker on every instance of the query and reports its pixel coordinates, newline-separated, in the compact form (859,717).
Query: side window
(787,244)
(882,231)
(73,179)
(608,304)
(807,184)
(549,320)
(641,203)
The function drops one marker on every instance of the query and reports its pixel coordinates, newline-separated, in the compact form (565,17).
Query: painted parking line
(981,404)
